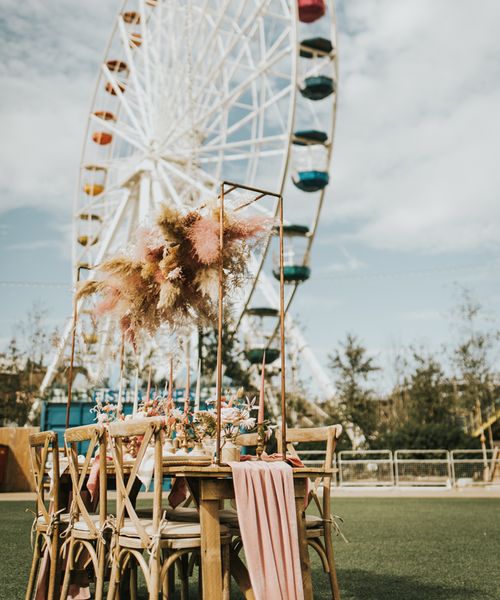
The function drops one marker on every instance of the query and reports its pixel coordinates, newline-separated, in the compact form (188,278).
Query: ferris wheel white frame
(146,181)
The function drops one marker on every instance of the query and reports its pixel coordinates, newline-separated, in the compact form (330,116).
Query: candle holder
(261,440)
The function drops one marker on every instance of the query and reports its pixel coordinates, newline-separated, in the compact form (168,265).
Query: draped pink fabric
(265,501)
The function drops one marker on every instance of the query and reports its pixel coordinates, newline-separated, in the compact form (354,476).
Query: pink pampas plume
(204,237)
(111,296)
(249,227)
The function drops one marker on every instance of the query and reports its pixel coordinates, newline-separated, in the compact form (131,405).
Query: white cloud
(418,125)
(50,56)
(414,166)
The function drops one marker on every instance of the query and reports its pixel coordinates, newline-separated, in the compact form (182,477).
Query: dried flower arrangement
(172,277)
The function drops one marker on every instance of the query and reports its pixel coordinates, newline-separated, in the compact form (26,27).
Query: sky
(412,212)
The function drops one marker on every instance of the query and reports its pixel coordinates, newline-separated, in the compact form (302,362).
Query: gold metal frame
(225,189)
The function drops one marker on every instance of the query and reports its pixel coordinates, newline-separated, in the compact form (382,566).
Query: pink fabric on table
(179,492)
(265,500)
(76,591)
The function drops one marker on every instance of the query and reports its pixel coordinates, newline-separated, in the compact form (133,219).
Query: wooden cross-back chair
(48,517)
(87,531)
(319,528)
(155,544)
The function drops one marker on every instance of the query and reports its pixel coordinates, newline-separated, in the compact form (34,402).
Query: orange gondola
(117,66)
(135,40)
(105,115)
(102,138)
(131,17)
(110,88)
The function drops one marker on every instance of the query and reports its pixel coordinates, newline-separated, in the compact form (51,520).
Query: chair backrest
(95,435)
(326,436)
(149,432)
(41,446)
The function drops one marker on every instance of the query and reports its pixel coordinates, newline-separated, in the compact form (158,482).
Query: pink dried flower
(204,237)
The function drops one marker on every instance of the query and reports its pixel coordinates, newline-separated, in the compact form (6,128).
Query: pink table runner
(265,499)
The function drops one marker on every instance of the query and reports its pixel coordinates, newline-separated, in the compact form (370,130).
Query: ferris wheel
(191,92)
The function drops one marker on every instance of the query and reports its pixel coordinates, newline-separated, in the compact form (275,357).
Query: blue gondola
(294,273)
(308,137)
(311,181)
(314,47)
(317,87)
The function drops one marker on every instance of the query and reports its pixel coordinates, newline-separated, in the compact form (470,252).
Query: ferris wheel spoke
(250,24)
(138,89)
(169,185)
(254,114)
(146,49)
(210,147)
(240,157)
(121,132)
(187,178)
(124,102)
(231,96)
(206,47)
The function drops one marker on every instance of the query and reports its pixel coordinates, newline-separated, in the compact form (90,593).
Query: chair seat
(313,521)
(63,518)
(228,516)
(82,525)
(170,530)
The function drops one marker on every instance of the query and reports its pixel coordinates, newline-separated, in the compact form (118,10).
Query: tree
(354,368)
(427,415)
(231,357)
(473,355)
(16,392)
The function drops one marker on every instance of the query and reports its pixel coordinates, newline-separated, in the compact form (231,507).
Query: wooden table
(212,484)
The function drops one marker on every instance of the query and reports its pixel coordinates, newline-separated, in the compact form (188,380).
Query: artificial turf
(400,549)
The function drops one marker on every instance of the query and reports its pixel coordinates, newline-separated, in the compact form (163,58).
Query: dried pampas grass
(172,274)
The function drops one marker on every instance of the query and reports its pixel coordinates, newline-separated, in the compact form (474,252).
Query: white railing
(425,468)
(474,467)
(365,467)
(422,467)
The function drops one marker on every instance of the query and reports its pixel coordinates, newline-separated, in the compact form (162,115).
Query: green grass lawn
(400,549)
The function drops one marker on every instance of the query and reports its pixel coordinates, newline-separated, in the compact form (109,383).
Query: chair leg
(331,563)
(184,576)
(200,581)
(54,565)
(154,577)
(101,571)
(133,581)
(226,573)
(113,578)
(67,570)
(34,567)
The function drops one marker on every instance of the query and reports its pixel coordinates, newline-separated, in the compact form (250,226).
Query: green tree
(358,403)
(427,415)
(16,392)
(474,354)
(232,358)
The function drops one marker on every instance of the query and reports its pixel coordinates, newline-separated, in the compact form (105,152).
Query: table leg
(210,548)
(240,575)
(303,549)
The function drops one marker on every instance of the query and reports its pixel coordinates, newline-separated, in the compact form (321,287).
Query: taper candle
(198,388)
(260,417)
(136,393)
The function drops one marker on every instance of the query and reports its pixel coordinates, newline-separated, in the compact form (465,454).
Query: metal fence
(475,467)
(365,467)
(427,468)
(422,467)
